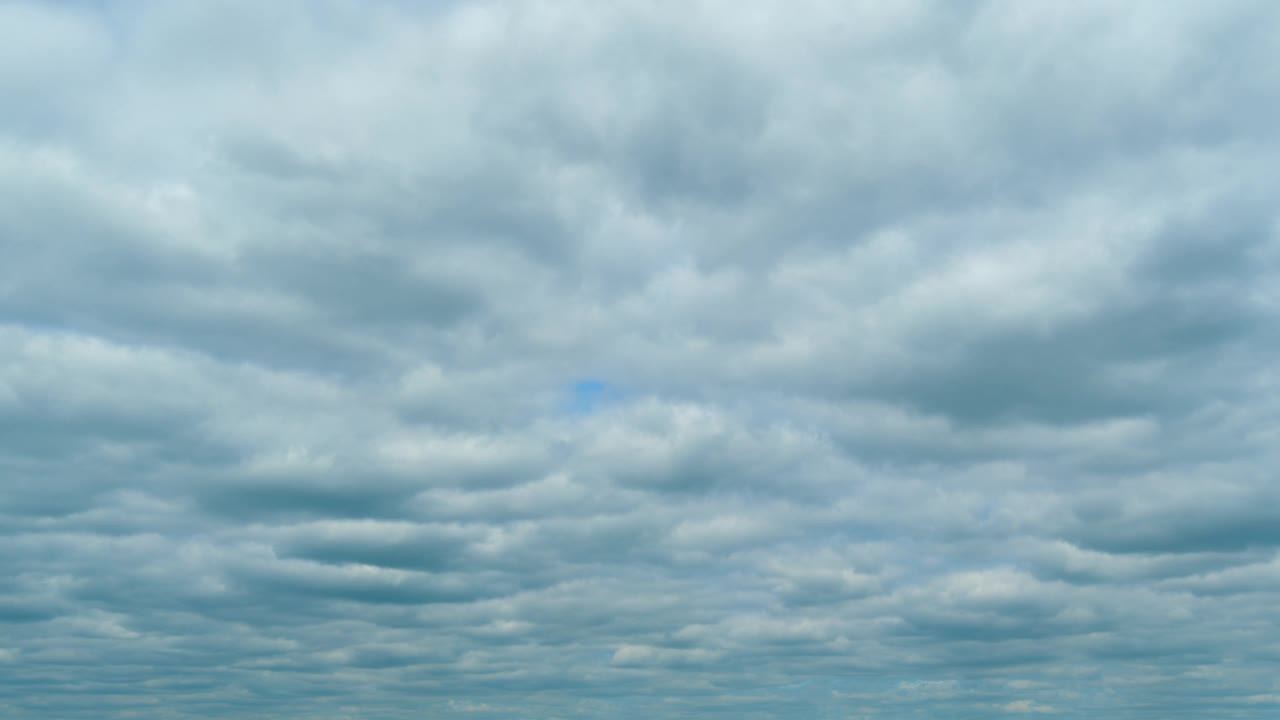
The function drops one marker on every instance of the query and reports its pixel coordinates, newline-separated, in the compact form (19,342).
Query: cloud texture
(552,360)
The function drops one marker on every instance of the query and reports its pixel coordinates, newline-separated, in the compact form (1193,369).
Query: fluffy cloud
(566,359)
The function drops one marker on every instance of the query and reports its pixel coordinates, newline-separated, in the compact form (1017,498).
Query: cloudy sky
(571,359)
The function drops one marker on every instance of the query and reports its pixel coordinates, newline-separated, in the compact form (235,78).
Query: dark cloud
(640,360)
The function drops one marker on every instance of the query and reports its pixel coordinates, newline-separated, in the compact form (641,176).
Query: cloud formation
(555,360)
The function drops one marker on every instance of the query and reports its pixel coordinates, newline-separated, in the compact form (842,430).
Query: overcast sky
(814,360)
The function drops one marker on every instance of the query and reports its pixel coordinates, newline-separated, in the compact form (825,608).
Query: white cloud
(637,359)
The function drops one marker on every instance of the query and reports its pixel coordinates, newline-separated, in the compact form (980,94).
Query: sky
(648,360)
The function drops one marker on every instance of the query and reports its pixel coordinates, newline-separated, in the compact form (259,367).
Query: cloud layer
(555,360)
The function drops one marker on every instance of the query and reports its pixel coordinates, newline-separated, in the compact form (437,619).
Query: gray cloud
(567,360)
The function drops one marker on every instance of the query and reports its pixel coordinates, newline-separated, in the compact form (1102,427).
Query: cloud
(640,359)
(1026,706)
